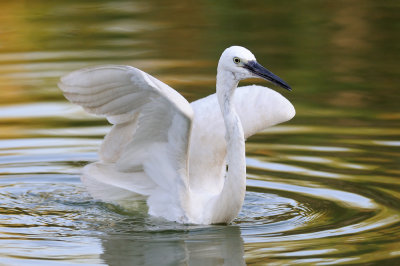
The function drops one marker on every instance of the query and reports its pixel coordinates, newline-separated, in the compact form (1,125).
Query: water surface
(321,189)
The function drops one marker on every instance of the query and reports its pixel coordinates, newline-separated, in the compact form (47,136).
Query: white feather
(146,150)
(171,152)
(258,108)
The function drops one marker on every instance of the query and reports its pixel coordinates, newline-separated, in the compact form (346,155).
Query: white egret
(186,160)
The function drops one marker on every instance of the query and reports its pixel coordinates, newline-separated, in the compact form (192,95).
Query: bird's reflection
(213,245)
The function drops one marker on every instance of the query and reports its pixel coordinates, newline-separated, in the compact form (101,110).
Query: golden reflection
(332,162)
(346,199)
(13,131)
(350,36)
(349,99)
(352,28)
(389,116)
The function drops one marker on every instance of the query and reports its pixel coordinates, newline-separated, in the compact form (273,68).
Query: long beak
(264,73)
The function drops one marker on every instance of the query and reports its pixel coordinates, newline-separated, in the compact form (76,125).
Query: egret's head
(243,64)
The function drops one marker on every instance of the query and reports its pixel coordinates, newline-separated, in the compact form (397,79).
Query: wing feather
(149,138)
(258,108)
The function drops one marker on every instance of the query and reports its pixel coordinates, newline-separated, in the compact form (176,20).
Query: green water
(323,188)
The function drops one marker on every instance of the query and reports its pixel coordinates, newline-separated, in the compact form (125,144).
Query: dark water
(323,188)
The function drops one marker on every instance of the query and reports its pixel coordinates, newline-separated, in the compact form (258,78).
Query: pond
(323,188)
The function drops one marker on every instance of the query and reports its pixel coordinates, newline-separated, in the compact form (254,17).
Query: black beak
(264,73)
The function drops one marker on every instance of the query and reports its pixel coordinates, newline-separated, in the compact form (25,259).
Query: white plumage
(172,153)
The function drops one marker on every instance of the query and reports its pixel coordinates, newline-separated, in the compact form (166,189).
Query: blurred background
(322,188)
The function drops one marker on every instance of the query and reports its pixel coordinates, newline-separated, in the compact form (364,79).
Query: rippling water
(323,188)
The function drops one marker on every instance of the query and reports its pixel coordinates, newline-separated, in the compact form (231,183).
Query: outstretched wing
(258,108)
(146,152)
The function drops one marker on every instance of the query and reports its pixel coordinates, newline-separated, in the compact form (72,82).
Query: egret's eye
(236,60)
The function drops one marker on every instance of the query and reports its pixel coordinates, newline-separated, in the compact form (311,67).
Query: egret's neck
(231,198)
(226,85)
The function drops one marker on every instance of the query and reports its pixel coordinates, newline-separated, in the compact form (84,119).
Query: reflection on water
(322,188)
(199,246)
